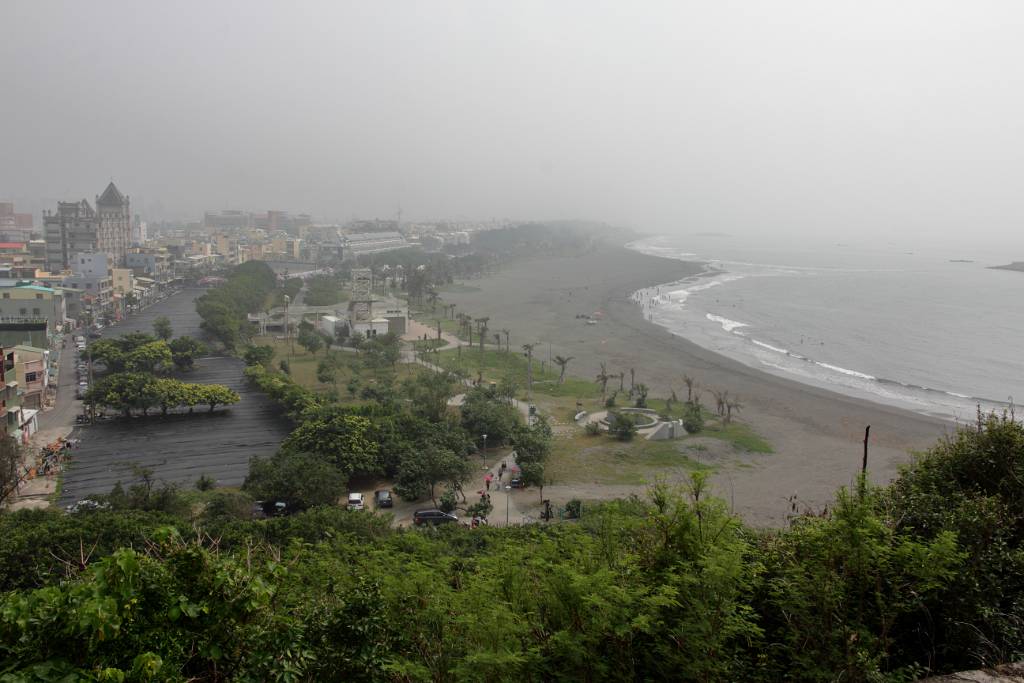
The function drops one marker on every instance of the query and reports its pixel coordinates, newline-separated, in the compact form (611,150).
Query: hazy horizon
(797,119)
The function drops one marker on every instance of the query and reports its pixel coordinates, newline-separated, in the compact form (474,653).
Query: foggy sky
(789,118)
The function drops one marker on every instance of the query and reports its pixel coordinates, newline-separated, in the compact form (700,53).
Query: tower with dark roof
(114,233)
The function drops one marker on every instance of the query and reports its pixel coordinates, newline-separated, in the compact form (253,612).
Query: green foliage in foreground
(893,583)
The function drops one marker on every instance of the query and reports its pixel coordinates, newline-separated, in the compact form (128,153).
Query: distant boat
(960,260)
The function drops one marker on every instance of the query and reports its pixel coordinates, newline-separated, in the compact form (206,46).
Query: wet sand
(817,435)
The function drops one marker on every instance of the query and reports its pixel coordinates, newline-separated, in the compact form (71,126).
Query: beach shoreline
(817,434)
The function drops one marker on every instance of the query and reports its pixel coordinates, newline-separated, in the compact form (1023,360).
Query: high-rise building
(77,228)
(114,235)
(68,231)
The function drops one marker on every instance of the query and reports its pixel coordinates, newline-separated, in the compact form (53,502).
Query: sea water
(930,329)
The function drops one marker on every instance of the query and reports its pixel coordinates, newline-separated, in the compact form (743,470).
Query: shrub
(693,419)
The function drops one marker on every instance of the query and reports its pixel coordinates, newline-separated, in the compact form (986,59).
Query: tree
(108,352)
(483,412)
(327,371)
(621,426)
(162,328)
(641,395)
(310,340)
(339,438)
(10,466)
(300,480)
(170,394)
(421,472)
(732,405)
(562,362)
(508,347)
(482,332)
(185,350)
(429,393)
(602,379)
(533,473)
(259,355)
(154,357)
(528,348)
(215,395)
(693,418)
(691,387)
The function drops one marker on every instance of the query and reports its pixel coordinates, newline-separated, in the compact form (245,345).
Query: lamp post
(287,330)
(482,453)
(508,494)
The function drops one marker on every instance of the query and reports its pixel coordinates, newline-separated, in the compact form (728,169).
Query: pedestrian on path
(487,480)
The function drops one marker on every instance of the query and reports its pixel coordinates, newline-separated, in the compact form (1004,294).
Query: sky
(783,118)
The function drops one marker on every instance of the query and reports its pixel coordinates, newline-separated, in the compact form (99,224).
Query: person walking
(487,481)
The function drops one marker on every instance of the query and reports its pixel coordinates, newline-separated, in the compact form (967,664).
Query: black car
(435,517)
(382,499)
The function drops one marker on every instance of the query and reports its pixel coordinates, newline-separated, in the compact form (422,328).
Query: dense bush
(894,583)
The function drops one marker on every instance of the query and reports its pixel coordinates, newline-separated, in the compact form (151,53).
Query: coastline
(817,434)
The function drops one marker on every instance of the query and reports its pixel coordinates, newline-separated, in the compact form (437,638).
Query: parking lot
(178,448)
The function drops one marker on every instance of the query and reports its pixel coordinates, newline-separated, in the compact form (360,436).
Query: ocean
(932,330)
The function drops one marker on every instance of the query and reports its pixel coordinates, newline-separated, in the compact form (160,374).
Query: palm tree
(506,332)
(622,380)
(602,378)
(641,395)
(721,398)
(497,340)
(433,297)
(562,362)
(482,333)
(528,348)
(691,386)
(632,380)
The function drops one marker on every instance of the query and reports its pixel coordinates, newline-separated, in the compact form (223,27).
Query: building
(68,231)
(14,227)
(114,233)
(90,278)
(153,263)
(360,243)
(33,302)
(8,387)
(31,372)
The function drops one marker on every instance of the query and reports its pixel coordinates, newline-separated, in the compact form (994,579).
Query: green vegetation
(162,328)
(892,584)
(133,391)
(324,290)
(496,365)
(224,309)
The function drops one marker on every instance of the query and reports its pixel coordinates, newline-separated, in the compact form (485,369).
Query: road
(178,448)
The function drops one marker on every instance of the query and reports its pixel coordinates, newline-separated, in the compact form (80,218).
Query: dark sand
(817,435)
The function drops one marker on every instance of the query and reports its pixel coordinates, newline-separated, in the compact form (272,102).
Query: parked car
(383,499)
(435,517)
(355,501)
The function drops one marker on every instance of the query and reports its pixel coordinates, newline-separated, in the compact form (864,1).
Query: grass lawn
(303,367)
(579,459)
(496,365)
(740,435)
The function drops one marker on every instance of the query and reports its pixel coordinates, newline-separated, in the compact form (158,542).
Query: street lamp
(485,446)
(287,331)
(508,494)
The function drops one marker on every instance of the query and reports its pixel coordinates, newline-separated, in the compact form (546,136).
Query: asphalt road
(178,448)
(179,308)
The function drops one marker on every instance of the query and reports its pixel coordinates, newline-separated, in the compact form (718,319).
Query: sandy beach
(817,435)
